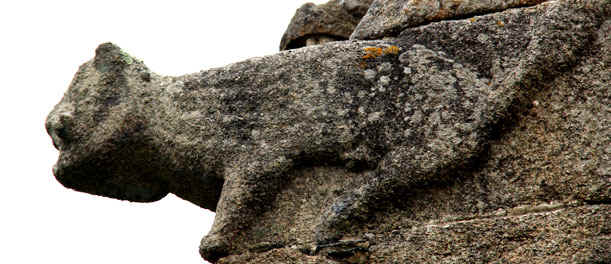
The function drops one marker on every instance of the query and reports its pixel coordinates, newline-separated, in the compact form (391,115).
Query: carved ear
(110,58)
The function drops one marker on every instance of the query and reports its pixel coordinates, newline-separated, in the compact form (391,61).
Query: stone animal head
(100,128)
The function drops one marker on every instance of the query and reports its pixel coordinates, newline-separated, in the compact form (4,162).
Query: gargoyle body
(127,133)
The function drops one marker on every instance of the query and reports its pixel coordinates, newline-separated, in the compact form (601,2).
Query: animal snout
(57,125)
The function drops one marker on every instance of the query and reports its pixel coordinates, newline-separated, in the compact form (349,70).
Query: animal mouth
(62,164)
(96,173)
(58,142)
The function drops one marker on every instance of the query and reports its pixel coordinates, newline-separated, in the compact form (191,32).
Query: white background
(42,43)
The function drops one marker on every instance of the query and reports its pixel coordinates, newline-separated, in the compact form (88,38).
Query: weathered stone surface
(572,234)
(461,141)
(318,24)
(281,255)
(389,18)
(357,8)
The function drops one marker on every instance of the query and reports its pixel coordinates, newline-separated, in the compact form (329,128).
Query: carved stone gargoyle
(381,119)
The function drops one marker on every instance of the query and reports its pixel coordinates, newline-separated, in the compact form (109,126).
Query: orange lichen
(500,23)
(374,52)
(391,50)
(472,19)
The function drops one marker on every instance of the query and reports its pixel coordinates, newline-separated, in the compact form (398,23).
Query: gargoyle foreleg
(243,197)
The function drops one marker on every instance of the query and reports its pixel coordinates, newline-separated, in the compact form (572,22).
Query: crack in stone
(517,211)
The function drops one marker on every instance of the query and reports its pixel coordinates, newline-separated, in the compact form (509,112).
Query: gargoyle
(397,113)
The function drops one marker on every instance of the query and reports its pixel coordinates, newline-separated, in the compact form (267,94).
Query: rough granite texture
(475,140)
(318,24)
(388,18)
